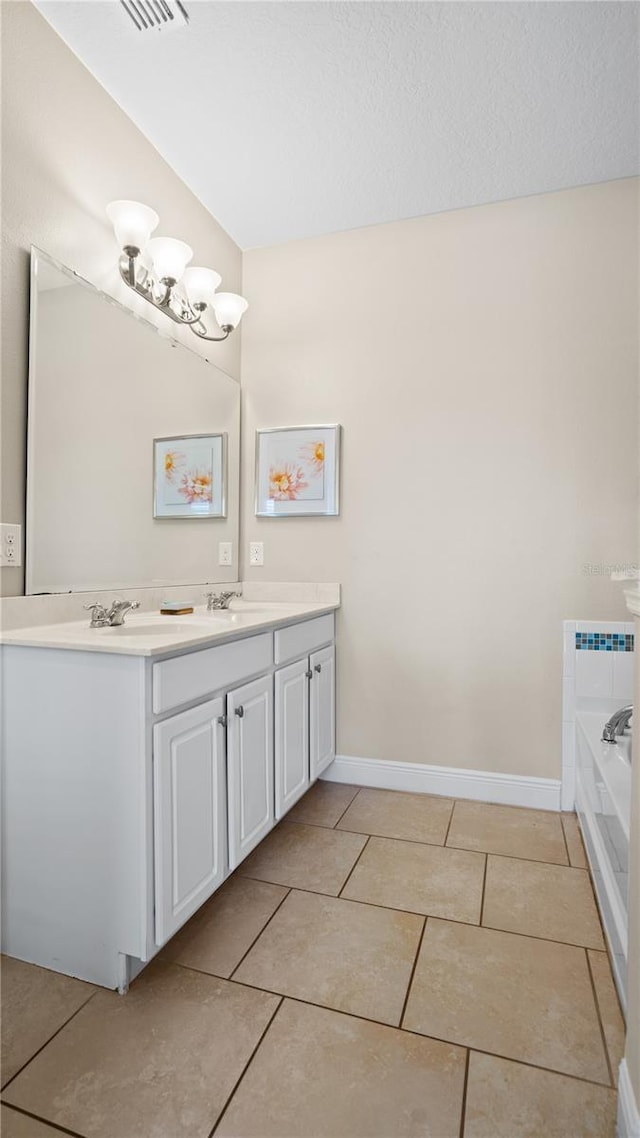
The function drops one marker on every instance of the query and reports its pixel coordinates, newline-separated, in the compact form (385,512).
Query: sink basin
(156,628)
(218,614)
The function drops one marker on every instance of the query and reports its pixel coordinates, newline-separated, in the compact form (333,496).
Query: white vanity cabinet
(304,709)
(136,781)
(292,776)
(322,719)
(190,813)
(249,766)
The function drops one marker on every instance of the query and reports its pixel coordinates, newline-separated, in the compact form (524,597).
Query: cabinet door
(189,813)
(323,710)
(249,766)
(292,735)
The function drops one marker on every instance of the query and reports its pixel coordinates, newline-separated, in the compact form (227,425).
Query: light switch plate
(256,553)
(225,553)
(10,544)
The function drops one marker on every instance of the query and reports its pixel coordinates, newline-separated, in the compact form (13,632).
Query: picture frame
(190,476)
(298,471)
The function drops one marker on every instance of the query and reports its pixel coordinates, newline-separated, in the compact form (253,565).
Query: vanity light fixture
(182,293)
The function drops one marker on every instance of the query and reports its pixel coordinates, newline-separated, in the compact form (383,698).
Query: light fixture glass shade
(133,223)
(229,308)
(200,284)
(169,256)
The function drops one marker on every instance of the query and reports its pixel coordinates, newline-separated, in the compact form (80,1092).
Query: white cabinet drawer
(185,678)
(300,639)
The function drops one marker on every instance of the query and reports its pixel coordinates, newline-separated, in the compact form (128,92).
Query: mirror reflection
(104,387)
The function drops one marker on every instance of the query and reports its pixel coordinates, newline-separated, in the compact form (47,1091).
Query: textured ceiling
(291,119)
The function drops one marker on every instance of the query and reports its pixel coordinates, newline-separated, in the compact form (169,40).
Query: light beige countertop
(152,634)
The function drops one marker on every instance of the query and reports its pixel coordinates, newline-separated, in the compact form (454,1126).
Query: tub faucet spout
(617,724)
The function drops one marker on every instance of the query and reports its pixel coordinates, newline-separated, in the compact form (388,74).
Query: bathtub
(603,803)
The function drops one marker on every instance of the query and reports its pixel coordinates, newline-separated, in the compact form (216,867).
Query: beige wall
(68,150)
(483,364)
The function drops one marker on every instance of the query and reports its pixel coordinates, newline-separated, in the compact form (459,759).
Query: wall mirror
(103,385)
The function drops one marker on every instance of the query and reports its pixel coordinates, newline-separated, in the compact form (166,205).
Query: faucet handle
(99,614)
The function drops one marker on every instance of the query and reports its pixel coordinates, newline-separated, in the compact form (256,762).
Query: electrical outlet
(10,544)
(225,553)
(256,553)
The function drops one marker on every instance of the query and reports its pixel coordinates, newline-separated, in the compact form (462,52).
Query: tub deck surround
(597,675)
(598,679)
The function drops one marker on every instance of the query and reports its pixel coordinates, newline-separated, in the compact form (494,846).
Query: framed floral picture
(297,471)
(190,473)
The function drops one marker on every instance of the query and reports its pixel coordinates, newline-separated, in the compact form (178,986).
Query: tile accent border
(453,782)
(604,642)
(628,1124)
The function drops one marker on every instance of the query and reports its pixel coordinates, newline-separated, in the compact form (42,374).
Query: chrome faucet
(219,600)
(112,617)
(617,724)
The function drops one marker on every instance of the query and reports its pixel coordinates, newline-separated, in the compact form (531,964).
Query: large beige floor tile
(157,1063)
(217,937)
(305,857)
(515,996)
(355,958)
(324,804)
(610,1014)
(573,838)
(16,1125)
(509,1100)
(35,1004)
(393,814)
(319,1074)
(419,878)
(551,901)
(510,830)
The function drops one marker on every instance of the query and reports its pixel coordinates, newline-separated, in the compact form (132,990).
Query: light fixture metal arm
(128,274)
(226,328)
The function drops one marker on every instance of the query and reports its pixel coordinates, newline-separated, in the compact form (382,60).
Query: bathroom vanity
(142,764)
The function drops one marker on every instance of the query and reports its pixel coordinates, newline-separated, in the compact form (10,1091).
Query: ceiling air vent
(156,15)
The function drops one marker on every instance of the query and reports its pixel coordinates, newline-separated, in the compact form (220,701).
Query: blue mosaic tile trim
(604,642)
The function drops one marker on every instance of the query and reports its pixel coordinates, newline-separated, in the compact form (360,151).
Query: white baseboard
(453,782)
(628,1125)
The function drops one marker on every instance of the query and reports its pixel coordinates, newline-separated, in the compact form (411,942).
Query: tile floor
(383,965)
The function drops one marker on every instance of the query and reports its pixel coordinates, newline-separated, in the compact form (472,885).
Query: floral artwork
(286,483)
(297,471)
(189,477)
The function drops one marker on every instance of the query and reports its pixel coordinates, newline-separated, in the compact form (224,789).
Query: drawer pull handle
(222,720)
(240,711)
(318,667)
(309,675)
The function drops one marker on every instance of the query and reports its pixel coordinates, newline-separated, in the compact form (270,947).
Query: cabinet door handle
(318,667)
(309,675)
(222,720)
(240,711)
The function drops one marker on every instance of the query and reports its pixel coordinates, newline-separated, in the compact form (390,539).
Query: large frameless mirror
(133,447)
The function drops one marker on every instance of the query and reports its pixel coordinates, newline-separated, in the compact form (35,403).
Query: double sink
(202,620)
